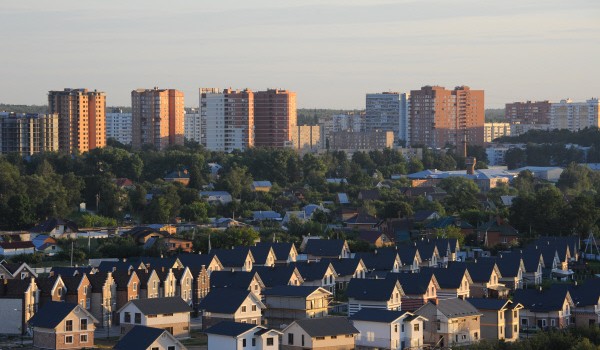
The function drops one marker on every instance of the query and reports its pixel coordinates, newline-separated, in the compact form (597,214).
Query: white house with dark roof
(386,329)
(172,314)
(373,293)
(230,304)
(319,333)
(148,338)
(242,336)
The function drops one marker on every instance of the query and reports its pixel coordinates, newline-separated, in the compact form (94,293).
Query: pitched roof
(362,219)
(324,247)
(139,338)
(449,221)
(224,300)
(450,277)
(377,315)
(480,271)
(122,278)
(229,328)
(380,259)
(51,224)
(371,236)
(407,253)
(456,307)
(71,271)
(326,326)
(157,306)
(371,289)
(195,260)
(369,195)
(72,282)
(51,314)
(489,303)
(265,215)
(412,283)
(45,284)
(260,253)
(536,301)
(291,291)
(14,287)
(17,245)
(422,215)
(232,257)
(276,275)
(312,271)
(508,264)
(344,267)
(232,279)
(281,250)
(106,266)
(97,280)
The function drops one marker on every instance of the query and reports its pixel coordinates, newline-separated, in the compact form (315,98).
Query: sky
(330,52)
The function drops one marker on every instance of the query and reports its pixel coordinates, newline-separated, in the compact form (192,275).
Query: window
(402,328)
(320,338)
(127,317)
(69,325)
(514,314)
(134,286)
(476,335)
(171,347)
(138,318)
(253,307)
(553,322)
(302,339)
(155,348)
(68,339)
(396,328)
(524,322)
(83,324)
(290,338)
(24,275)
(416,327)
(83,338)
(244,343)
(59,291)
(152,316)
(253,341)
(270,341)
(334,337)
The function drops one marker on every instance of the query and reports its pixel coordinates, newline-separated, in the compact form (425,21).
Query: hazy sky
(330,52)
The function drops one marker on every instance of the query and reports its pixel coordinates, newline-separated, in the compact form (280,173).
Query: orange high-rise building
(440,117)
(274,118)
(81,118)
(157,117)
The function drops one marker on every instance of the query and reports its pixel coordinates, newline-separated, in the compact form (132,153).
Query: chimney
(470,165)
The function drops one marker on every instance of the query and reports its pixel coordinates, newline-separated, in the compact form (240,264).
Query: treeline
(585,137)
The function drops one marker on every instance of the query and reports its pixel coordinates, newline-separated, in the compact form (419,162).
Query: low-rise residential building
(171,314)
(347,269)
(242,336)
(184,284)
(15,271)
(263,255)
(226,304)
(383,260)
(216,197)
(284,304)
(62,325)
(385,329)
(499,320)
(373,293)
(284,252)
(451,322)
(16,248)
(148,338)
(486,279)
(319,333)
(52,288)
(544,309)
(104,297)
(237,259)
(242,280)
(410,257)
(454,281)
(19,300)
(149,284)
(320,274)
(327,248)
(586,298)
(174,244)
(279,275)
(79,290)
(128,286)
(419,288)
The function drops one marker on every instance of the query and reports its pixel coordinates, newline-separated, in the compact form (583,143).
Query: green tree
(462,193)
(197,212)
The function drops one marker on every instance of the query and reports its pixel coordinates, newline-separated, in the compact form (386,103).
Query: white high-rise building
(388,111)
(227,119)
(492,131)
(118,126)
(575,115)
(192,126)
(347,122)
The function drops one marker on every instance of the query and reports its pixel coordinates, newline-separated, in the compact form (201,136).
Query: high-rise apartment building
(82,118)
(347,122)
(388,111)
(528,112)
(157,117)
(361,141)
(27,134)
(118,126)
(493,131)
(439,117)
(274,117)
(192,125)
(307,139)
(575,115)
(227,119)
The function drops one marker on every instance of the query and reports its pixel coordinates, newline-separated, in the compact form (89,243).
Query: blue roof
(229,328)
(262,184)
(343,198)
(377,315)
(51,314)
(265,215)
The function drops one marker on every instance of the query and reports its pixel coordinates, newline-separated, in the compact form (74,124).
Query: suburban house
(319,333)
(279,275)
(15,271)
(486,279)
(46,244)
(237,259)
(174,244)
(347,269)
(500,318)
(428,251)
(261,186)
(263,255)
(242,336)
(511,268)
(452,322)
(201,285)
(167,282)
(242,280)
(216,197)
(375,238)
(586,298)
(180,176)
(145,236)
(383,259)
(171,314)
(533,264)
(104,297)
(128,286)
(361,221)
(433,227)
(386,329)
(447,248)
(497,231)
(544,309)
(62,325)
(149,284)
(52,288)
(16,248)
(320,274)
(419,288)
(184,284)
(410,257)
(373,293)
(229,304)
(148,338)
(210,261)
(285,304)
(57,228)
(284,252)
(265,215)
(20,299)
(326,248)
(79,290)
(454,281)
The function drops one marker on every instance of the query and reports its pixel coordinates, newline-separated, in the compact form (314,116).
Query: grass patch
(196,338)
(106,343)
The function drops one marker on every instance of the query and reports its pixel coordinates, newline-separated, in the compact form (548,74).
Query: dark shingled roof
(508,264)
(324,247)
(139,338)
(122,278)
(312,271)
(229,328)
(362,219)
(412,283)
(10,267)
(291,291)
(14,287)
(456,307)
(586,294)
(426,249)
(381,259)
(344,267)
(51,223)
(260,253)
(72,283)
(276,275)
(326,326)
(109,266)
(407,253)
(448,278)
(377,315)
(371,289)
(231,279)
(71,271)
(97,280)
(195,260)
(154,262)
(232,257)
(535,301)
(45,284)
(281,250)
(51,314)
(480,271)
(488,303)
(157,306)
(223,300)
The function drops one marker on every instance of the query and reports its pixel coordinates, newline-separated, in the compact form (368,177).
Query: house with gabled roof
(428,251)
(281,275)
(57,228)
(167,282)
(410,257)
(52,288)
(448,249)
(18,294)
(284,304)
(210,261)
(383,259)
(375,238)
(346,269)
(171,314)
(452,322)
(79,290)
(263,255)
(242,280)
(265,215)
(586,298)
(320,274)
(230,304)
(327,248)
(238,259)
(497,231)
(62,325)
(184,284)
(284,252)
(361,221)
(373,293)
(104,297)
(499,320)
(486,279)
(319,333)
(369,195)
(216,197)
(149,284)
(544,309)
(241,336)
(419,288)
(148,338)
(387,329)
(200,286)
(511,268)
(72,271)
(128,286)
(16,248)
(454,281)
(15,271)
